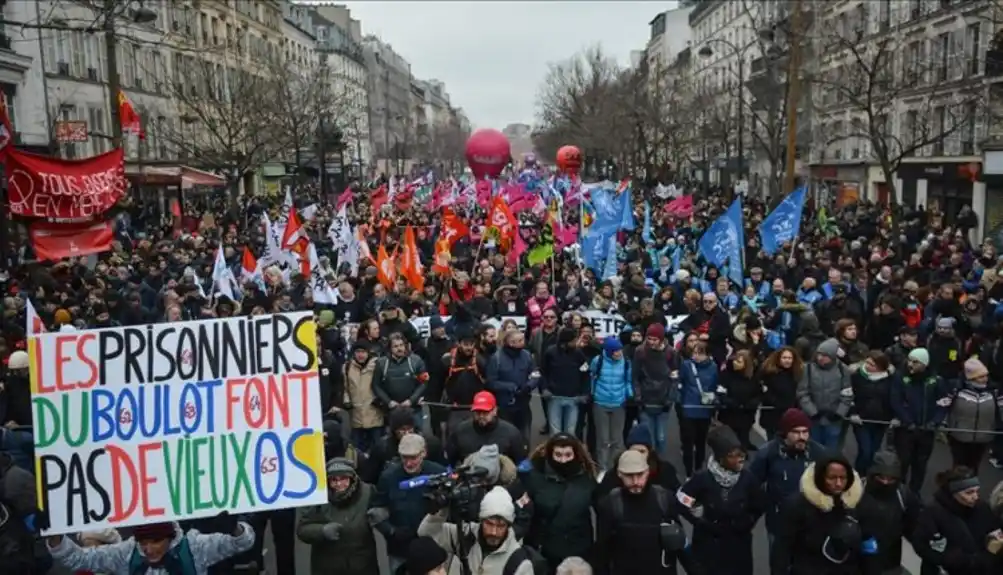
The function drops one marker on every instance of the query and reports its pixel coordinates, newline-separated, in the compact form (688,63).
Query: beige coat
(436,527)
(359,392)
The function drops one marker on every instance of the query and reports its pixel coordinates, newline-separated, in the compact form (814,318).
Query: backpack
(616,499)
(672,393)
(522,554)
(178,561)
(454,370)
(17,544)
(386,366)
(598,370)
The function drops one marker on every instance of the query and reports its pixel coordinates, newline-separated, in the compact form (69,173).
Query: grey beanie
(489,458)
(829,348)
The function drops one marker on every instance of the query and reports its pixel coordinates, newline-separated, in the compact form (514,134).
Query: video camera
(459,490)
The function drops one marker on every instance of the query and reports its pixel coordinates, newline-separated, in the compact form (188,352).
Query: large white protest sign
(177,421)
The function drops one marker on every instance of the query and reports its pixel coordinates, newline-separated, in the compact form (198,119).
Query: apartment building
(931,104)
(390,97)
(339,40)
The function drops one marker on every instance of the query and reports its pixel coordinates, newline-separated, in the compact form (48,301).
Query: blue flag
(784,222)
(594,251)
(609,269)
(646,233)
(724,241)
(627,210)
(675,258)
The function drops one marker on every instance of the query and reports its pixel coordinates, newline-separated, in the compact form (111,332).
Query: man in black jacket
(485,428)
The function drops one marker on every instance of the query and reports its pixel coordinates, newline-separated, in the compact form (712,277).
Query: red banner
(46,187)
(54,241)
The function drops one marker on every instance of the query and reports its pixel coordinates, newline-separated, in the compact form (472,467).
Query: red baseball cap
(483,401)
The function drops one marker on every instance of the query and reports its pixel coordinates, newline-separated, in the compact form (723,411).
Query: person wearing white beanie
(492,542)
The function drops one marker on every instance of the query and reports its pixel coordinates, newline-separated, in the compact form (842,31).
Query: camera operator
(397,512)
(485,428)
(490,545)
(503,472)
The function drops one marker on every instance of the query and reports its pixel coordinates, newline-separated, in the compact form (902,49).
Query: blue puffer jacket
(611,382)
(691,388)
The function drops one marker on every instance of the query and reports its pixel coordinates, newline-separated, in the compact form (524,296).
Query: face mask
(565,468)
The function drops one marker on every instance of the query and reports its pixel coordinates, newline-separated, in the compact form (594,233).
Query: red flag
(128,118)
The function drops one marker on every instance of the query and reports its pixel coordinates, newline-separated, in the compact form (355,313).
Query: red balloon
(488,152)
(569,159)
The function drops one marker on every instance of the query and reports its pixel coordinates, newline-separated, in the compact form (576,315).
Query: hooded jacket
(354,553)
(206,550)
(564,369)
(822,534)
(826,393)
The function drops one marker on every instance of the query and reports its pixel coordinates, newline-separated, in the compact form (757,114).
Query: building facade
(339,40)
(929,117)
(390,109)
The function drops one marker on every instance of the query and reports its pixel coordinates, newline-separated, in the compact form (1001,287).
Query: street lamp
(706,52)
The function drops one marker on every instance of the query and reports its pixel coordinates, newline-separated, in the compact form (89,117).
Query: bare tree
(876,92)
(579,98)
(228,117)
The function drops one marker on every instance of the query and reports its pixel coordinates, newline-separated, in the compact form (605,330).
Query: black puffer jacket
(951,537)
(812,522)
(872,395)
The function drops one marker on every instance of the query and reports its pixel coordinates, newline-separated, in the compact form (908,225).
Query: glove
(547,394)
(332,531)
(41,519)
(377,515)
(224,523)
(855,420)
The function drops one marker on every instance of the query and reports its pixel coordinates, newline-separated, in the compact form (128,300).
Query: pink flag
(680,207)
(346,197)
(518,247)
(565,236)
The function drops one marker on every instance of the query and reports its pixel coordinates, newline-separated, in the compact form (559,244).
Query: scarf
(723,477)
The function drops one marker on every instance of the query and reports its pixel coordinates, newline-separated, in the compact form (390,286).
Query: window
(916,8)
(911,132)
(938,129)
(968,131)
(10,94)
(942,53)
(63,52)
(95,125)
(973,50)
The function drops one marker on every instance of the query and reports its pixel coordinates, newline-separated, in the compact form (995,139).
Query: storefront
(843,184)
(945,186)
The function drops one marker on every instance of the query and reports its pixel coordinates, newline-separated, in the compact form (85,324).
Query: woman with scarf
(872,385)
(723,502)
(338,532)
(561,482)
(957,533)
(539,303)
(739,396)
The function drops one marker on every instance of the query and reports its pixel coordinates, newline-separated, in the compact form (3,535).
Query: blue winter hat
(612,345)
(640,434)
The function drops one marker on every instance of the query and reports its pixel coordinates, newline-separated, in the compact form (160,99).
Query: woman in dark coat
(723,502)
(957,533)
(561,482)
(779,378)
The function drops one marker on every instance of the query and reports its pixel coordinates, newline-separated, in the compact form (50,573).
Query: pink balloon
(488,152)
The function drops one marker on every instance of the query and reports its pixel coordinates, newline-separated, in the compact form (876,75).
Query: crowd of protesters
(886,326)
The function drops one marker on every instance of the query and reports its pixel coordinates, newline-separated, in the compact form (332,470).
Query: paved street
(940,460)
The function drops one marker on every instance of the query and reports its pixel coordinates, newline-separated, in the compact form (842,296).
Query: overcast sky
(492,56)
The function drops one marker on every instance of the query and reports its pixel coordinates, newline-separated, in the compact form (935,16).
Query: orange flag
(411,261)
(386,273)
(443,258)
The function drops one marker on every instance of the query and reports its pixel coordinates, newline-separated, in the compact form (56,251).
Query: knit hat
(340,466)
(612,345)
(632,462)
(655,330)
(640,434)
(722,441)
(424,555)
(829,348)
(488,457)
(154,531)
(498,503)
(946,322)
(18,360)
(435,322)
(975,369)
(920,355)
(62,317)
(792,419)
(885,463)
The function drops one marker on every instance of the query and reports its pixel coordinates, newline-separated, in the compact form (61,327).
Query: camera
(460,491)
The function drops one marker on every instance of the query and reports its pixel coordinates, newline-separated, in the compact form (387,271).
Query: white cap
(498,503)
